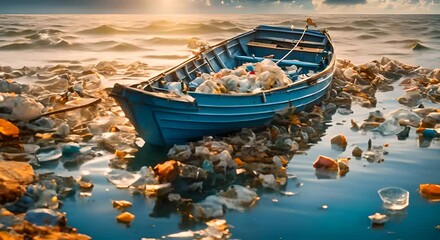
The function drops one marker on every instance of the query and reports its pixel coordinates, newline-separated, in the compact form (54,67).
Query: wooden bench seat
(276,47)
(281,64)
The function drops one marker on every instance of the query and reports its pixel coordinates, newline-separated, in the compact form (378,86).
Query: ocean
(160,42)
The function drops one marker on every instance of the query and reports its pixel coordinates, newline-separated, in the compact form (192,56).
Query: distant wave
(189,28)
(39,44)
(124,47)
(403,41)
(366,36)
(14,33)
(165,56)
(344,28)
(364,23)
(220,23)
(104,29)
(378,32)
(167,41)
(417,46)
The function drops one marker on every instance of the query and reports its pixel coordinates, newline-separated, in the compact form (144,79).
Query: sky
(221,6)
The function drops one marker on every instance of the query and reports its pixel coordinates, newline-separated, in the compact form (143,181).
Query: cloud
(345,2)
(376,6)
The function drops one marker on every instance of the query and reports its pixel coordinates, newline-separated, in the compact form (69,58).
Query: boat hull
(165,122)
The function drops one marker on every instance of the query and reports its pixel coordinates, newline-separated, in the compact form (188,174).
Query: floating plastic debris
(389,127)
(43,217)
(378,218)
(357,152)
(339,142)
(430,191)
(49,154)
(122,178)
(125,217)
(394,198)
(121,204)
(326,162)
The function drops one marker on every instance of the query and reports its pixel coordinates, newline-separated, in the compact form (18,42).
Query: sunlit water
(159,40)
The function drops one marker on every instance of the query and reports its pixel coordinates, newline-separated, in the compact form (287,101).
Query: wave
(39,45)
(167,41)
(220,23)
(364,23)
(104,29)
(403,41)
(165,56)
(378,32)
(189,28)
(124,47)
(366,37)
(205,29)
(15,33)
(344,28)
(418,47)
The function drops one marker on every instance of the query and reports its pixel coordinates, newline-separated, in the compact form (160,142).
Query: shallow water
(37,40)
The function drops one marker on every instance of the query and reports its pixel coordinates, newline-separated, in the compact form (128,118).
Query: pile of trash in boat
(247,78)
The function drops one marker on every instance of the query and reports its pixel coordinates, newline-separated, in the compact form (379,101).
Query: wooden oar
(87,102)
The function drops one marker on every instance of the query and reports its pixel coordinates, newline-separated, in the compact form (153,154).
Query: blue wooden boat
(164,118)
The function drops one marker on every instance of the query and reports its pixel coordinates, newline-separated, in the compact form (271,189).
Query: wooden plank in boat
(286,40)
(274,46)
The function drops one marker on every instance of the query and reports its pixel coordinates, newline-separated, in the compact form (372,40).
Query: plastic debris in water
(326,163)
(402,135)
(122,178)
(430,191)
(339,142)
(125,217)
(378,218)
(8,129)
(43,217)
(357,152)
(394,198)
(389,127)
(49,154)
(121,204)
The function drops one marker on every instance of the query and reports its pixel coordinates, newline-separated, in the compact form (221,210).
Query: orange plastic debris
(294,120)
(430,191)
(120,154)
(239,162)
(125,217)
(8,129)
(167,171)
(339,140)
(326,162)
(44,135)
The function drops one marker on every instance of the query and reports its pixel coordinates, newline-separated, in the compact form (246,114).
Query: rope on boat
(291,50)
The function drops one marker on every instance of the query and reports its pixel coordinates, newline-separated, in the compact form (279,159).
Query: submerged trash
(394,198)
(378,218)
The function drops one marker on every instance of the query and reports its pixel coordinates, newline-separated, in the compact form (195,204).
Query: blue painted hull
(162,119)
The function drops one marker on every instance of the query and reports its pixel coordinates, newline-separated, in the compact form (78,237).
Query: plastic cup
(394,198)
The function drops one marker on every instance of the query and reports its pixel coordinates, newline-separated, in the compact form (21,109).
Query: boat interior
(311,54)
